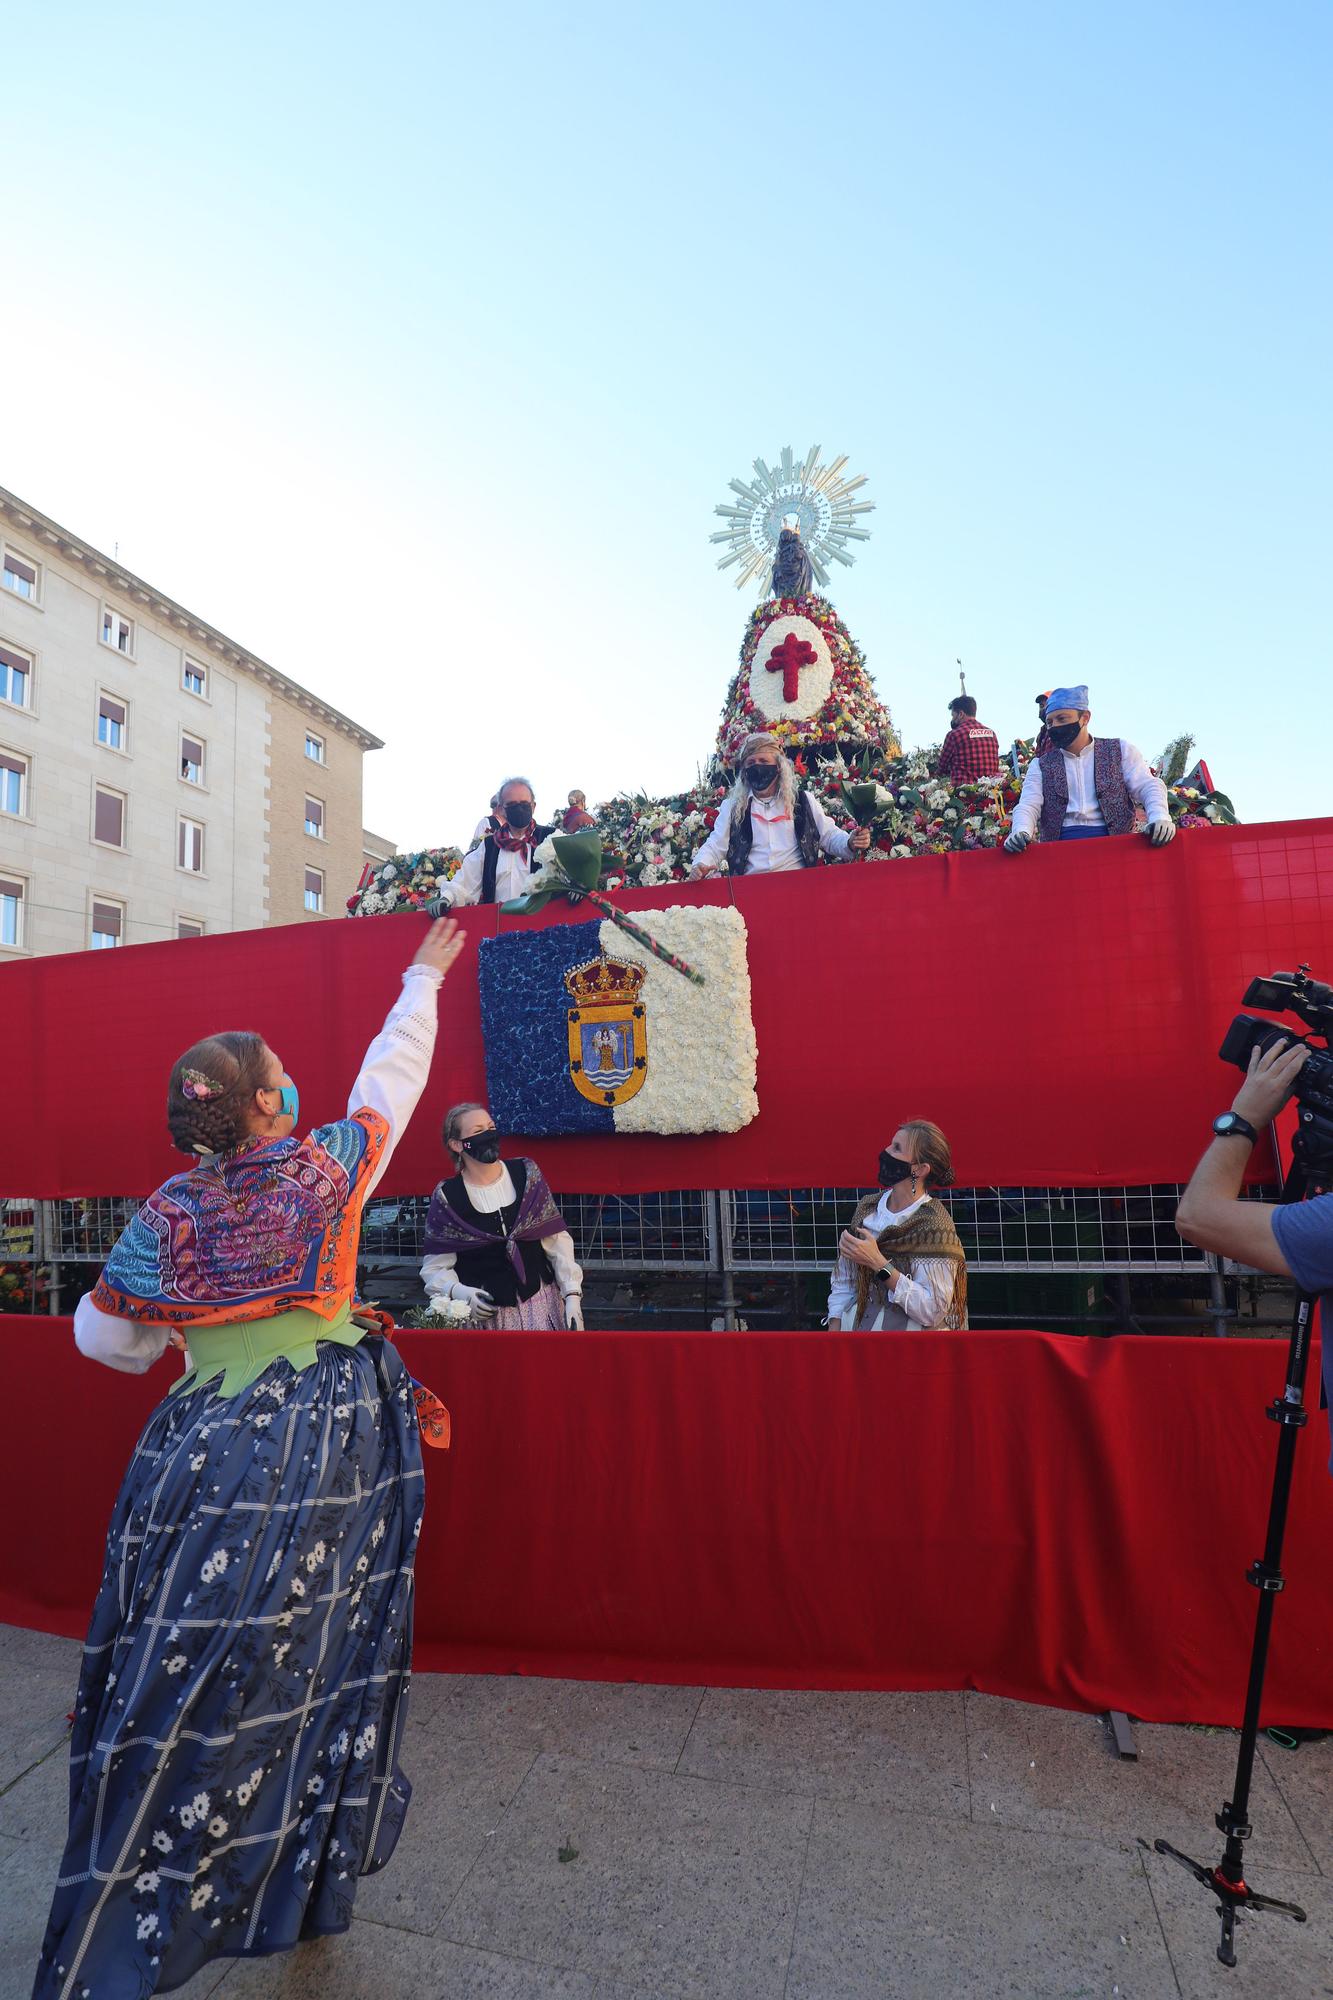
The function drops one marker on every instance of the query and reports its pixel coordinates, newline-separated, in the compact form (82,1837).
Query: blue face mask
(291,1101)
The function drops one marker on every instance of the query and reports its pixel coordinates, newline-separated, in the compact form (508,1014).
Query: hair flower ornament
(194,1084)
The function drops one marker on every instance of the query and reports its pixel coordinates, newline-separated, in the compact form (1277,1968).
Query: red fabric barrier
(1066,1033)
(1039,1516)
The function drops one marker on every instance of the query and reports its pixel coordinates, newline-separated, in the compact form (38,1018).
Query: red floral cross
(788,659)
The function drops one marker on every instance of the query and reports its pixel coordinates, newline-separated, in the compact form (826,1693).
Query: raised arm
(395,1067)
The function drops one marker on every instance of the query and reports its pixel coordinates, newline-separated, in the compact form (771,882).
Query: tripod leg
(1226,1951)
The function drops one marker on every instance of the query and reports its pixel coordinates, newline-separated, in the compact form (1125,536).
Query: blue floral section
(525,1024)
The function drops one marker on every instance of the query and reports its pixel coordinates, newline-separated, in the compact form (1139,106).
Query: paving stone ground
(729,1844)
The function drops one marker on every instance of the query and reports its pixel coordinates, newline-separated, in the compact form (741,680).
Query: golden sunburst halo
(815,497)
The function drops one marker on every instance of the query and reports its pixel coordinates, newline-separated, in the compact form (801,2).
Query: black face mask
(483,1147)
(892,1169)
(1063,734)
(759,776)
(519,813)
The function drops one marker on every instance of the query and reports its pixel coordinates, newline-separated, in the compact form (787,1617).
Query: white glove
(475,1298)
(574,1312)
(1161,831)
(1016,842)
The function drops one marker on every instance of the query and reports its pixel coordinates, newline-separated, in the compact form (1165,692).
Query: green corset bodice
(240,1352)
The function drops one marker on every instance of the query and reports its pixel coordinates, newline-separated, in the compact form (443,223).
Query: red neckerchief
(513,839)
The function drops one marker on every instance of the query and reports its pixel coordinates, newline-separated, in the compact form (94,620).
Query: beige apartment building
(157,780)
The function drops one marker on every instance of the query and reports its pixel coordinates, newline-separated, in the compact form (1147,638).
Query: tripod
(1227,1881)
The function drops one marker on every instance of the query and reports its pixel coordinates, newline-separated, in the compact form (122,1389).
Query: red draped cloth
(1052,1518)
(1079,998)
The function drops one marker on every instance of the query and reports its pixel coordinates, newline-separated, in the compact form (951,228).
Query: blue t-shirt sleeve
(1304,1233)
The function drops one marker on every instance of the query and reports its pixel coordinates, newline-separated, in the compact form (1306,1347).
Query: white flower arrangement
(701,1041)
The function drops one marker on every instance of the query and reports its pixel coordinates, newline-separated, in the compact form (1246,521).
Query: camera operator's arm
(1211,1212)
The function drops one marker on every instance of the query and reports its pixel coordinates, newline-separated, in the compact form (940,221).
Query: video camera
(1312,1000)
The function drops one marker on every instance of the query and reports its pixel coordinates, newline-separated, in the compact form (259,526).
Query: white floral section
(701,1046)
(815,683)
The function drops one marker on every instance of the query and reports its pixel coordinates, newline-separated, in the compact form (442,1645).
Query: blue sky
(414,348)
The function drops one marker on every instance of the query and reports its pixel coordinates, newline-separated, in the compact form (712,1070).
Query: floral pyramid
(803,677)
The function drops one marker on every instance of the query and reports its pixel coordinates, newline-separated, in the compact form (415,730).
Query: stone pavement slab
(1276,1959)
(898,1907)
(629,1724)
(371,1963)
(1056,1772)
(39,1675)
(671,1885)
(1305,1779)
(737,1845)
(907,1751)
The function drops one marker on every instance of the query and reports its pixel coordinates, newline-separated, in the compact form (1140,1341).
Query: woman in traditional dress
(900,1265)
(234,1763)
(494,1236)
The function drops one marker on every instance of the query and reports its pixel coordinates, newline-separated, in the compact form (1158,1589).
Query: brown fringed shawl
(930,1233)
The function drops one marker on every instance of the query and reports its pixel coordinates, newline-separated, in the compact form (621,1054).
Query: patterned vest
(741,838)
(1108,781)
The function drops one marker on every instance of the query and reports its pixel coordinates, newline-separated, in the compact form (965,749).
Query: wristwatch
(1232,1126)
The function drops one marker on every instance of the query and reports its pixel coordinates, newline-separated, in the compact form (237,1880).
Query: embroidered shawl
(537,1217)
(243,1235)
(930,1233)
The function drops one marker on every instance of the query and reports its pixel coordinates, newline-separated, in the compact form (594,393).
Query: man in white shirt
(1083,788)
(501,865)
(769,821)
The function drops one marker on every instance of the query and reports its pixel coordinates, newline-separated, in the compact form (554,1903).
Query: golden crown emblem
(605,982)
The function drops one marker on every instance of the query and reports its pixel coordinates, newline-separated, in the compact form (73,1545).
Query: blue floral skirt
(233,1768)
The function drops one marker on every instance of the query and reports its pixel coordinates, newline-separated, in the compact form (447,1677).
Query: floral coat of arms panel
(585,1031)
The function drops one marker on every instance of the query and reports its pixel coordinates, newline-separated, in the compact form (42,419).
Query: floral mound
(406,883)
(803,677)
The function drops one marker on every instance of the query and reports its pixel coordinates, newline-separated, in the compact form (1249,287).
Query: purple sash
(538,1217)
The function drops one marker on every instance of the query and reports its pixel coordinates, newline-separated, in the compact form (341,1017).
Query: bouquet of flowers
(406,883)
(444,1315)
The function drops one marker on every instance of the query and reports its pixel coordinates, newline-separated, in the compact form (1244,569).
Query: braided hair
(211,1091)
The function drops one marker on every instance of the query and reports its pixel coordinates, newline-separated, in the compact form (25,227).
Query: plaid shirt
(969,751)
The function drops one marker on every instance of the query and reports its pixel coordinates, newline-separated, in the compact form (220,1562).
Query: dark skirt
(233,1767)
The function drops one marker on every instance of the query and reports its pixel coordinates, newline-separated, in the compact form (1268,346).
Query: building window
(314,748)
(314,888)
(113,721)
(108,817)
(15,677)
(314,818)
(194,679)
(117,630)
(11,913)
(192,759)
(13,784)
(22,576)
(190,847)
(108,925)
(189,927)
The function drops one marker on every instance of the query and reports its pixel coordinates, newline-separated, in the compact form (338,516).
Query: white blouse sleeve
(560,1250)
(714,849)
(842,1291)
(466,885)
(925,1296)
(118,1343)
(437,1274)
(1145,790)
(397,1063)
(1027,812)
